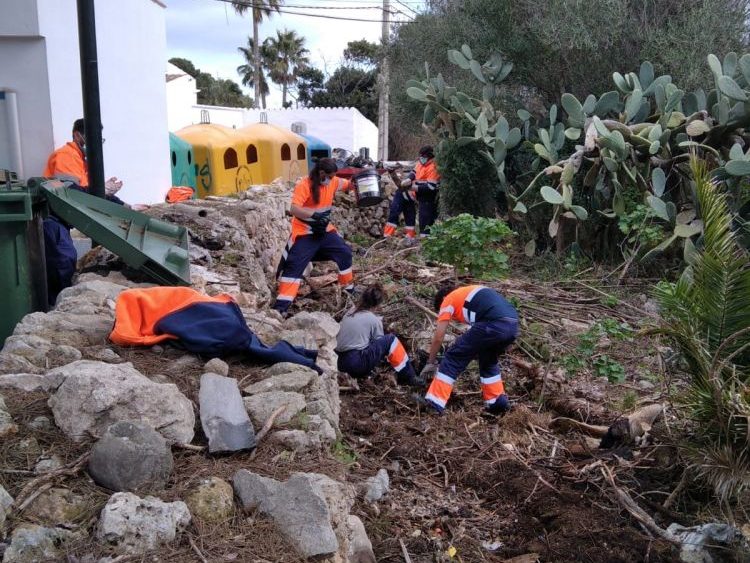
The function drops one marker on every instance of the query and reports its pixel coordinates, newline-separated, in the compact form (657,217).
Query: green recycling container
(23,278)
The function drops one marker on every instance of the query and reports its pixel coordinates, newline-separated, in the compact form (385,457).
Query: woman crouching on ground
(361,344)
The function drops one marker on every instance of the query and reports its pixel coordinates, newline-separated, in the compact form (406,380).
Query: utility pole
(384,87)
(90,85)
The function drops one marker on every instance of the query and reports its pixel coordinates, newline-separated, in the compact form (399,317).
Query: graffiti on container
(244,178)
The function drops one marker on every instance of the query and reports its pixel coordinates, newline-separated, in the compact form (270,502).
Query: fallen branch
(266,427)
(371,272)
(627,503)
(196,550)
(35,484)
(404,551)
(190,447)
(421,307)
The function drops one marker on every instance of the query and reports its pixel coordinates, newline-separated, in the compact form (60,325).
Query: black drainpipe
(90,86)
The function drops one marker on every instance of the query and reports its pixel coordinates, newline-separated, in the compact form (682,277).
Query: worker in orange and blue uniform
(313,237)
(420,186)
(69,161)
(494,327)
(362,345)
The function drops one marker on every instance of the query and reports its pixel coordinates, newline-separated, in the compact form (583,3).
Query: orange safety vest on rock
(303,198)
(69,160)
(180,193)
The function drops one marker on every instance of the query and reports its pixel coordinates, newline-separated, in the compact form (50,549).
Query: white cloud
(208,32)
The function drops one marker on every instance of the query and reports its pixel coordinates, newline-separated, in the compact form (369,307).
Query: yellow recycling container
(280,153)
(221,159)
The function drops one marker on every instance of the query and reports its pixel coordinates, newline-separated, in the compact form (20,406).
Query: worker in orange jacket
(70,161)
(420,186)
(494,327)
(313,238)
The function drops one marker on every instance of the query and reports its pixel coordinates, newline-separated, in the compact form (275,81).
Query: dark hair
(79,126)
(371,297)
(327,165)
(440,295)
(427,151)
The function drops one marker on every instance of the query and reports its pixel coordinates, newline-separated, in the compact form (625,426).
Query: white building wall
(39,55)
(181,96)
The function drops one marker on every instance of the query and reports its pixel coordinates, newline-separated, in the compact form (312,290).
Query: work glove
(428,371)
(112,186)
(319,222)
(405,184)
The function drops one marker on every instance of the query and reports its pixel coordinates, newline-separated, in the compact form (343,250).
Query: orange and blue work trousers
(484,341)
(402,203)
(360,363)
(302,250)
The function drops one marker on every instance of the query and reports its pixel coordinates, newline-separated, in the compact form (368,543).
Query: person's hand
(319,222)
(428,371)
(405,184)
(112,186)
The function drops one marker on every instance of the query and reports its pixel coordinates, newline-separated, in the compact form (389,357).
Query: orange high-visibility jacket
(303,198)
(70,160)
(180,193)
(475,303)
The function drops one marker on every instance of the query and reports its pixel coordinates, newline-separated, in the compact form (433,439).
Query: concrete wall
(39,54)
(181,94)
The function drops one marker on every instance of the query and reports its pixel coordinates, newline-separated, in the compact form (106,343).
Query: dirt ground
(465,487)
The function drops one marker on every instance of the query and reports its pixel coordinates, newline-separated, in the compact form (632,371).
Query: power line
(249,4)
(408,8)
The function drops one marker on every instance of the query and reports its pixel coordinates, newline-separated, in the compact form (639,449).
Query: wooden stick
(33,496)
(404,551)
(267,426)
(70,469)
(190,447)
(421,307)
(609,295)
(627,502)
(196,550)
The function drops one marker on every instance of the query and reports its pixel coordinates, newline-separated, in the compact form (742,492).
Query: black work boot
(501,406)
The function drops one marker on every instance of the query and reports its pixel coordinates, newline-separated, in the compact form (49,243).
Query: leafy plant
(343,453)
(471,244)
(707,316)
(604,366)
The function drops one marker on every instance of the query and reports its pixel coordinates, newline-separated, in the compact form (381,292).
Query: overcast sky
(208,32)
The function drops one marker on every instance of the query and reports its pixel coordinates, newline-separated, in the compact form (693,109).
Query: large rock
(130,456)
(212,500)
(377,486)
(294,380)
(321,325)
(136,525)
(297,506)
(223,416)
(7,426)
(57,507)
(6,501)
(312,511)
(94,292)
(29,382)
(40,352)
(261,406)
(30,543)
(69,329)
(95,395)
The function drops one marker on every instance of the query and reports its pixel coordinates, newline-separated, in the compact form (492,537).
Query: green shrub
(471,244)
(468,182)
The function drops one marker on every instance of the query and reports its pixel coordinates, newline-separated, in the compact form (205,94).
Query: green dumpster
(23,279)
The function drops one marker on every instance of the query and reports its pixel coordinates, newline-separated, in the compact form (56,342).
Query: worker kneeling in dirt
(313,237)
(494,327)
(361,344)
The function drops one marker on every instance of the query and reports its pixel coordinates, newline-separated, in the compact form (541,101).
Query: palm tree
(247,70)
(289,58)
(260,9)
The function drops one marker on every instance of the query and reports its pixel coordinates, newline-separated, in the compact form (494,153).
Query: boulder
(261,406)
(95,292)
(212,500)
(130,456)
(69,329)
(223,416)
(13,363)
(57,507)
(136,525)
(30,543)
(217,366)
(321,325)
(6,501)
(297,506)
(95,395)
(40,351)
(7,426)
(29,382)
(295,380)
(360,547)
